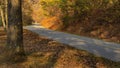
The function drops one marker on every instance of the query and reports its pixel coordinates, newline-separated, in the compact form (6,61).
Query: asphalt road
(97,47)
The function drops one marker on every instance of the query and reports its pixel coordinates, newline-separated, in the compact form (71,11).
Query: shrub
(52,23)
(78,11)
(27,11)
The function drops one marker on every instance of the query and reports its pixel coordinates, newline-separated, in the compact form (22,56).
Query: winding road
(97,47)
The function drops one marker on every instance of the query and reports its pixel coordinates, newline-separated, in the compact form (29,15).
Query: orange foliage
(36,15)
(52,23)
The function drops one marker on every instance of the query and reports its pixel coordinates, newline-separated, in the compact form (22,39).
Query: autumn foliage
(93,18)
(77,11)
(52,23)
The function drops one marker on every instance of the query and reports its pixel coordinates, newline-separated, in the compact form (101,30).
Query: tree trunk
(15,29)
(3,10)
(2,16)
(6,15)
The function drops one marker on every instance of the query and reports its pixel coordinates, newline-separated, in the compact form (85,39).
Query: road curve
(97,47)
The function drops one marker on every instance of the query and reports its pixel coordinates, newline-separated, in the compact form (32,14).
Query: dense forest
(94,18)
(27,42)
(74,12)
(89,17)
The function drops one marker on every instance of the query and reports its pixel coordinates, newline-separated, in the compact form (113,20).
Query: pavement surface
(97,47)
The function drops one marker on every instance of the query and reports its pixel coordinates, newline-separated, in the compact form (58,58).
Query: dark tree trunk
(14,28)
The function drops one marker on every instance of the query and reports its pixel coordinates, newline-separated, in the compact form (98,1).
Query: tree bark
(3,10)
(6,15)
(15,29)
(2,16)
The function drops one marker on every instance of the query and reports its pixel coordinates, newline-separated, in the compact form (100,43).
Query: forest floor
(42,52)
(104,31)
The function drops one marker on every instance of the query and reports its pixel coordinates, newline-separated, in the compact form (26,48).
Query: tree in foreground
(15,30)
(3,11)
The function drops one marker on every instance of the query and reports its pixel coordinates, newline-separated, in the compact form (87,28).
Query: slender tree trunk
(3,12)
(6,15)
(2,16)
(15,29)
